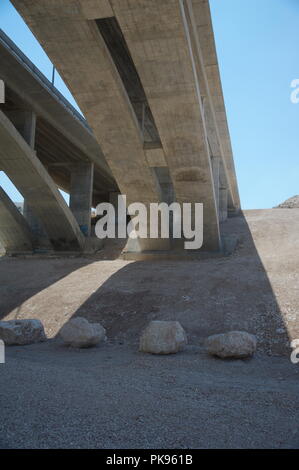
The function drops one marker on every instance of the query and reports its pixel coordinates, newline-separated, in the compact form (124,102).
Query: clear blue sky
(257,44)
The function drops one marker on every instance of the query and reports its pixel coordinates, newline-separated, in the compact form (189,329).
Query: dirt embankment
(255,289)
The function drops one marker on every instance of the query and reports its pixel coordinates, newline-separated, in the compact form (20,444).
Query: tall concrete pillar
(27,173)
(223,201)
(216,178)
(81,195)
(15,235)
(25,122)
(41,239)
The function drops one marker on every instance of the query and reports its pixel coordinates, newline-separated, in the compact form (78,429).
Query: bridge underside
(145,75)
(24,169)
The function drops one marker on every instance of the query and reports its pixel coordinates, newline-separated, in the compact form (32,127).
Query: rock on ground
(235,344)
(79,333)
(20,332)
(163,337)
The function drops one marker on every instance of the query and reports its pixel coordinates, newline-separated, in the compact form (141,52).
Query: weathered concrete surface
(163,51)
(24,169)
(81,195)
(62,134)
(73,43)
(202,18)
(15,235)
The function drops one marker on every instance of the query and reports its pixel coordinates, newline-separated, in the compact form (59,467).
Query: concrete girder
(22,166)
(80,54)
(15,235)
(202,16)
(171,54)
(162,52)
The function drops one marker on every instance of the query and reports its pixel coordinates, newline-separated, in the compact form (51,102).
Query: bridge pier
(22,166)
(150,89)
(15,235)
(81,195)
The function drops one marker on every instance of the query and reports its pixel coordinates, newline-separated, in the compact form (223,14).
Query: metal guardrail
(13,48)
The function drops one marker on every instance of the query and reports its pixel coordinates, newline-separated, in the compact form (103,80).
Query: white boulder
(79,333)
(235,344)
(163,337)
(22,332)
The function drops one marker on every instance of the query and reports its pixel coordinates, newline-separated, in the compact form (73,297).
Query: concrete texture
(62,134)
(202,17)
(21,165)
(153,96)
(81,195)
(164,60)
(15,235)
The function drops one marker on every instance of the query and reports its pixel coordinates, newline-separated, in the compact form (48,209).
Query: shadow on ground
(207,297)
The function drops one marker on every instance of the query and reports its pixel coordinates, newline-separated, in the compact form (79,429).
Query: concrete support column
(223,201)
(25,123)
(216,178)
(81,195)
(15,234)
(40,237)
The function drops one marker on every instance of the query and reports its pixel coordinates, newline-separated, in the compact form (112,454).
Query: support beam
(27,173)
(162,50)
(40,237)
(15,235)
(96,85)
(81,195)
(202,16)
(25,123)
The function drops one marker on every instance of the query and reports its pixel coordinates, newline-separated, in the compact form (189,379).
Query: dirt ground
(113,396)
(255,289)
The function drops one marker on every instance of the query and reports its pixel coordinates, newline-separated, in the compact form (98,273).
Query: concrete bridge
(145,75)
(45,144)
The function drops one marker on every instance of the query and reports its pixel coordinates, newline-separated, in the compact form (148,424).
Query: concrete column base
(81,195)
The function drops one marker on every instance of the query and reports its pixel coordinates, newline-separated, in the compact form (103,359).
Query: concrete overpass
(145,74)
(45,143)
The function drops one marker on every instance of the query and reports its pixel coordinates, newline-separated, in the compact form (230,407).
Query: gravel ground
(115,397)
(255,289)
